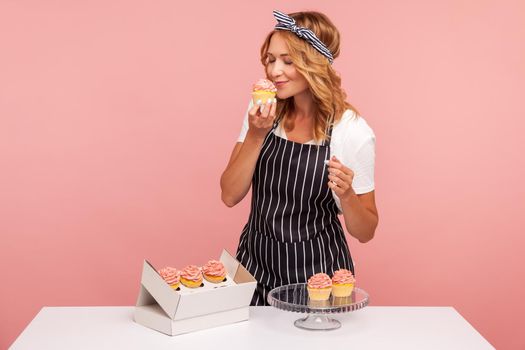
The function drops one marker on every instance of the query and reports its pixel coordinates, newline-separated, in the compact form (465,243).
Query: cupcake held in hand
(263,90)
(191,276)
(214,271)
(342,283)
(319,287)
(171,275)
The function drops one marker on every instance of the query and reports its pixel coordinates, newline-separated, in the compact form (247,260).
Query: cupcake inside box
(205,286)
(180,306)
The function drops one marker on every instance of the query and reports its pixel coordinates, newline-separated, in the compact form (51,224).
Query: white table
(373,327)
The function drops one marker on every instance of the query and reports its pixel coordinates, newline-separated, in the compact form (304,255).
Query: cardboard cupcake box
(176,312)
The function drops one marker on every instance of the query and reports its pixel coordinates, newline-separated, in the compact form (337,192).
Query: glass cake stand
(294,297)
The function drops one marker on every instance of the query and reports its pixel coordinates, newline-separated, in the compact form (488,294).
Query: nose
(276,70)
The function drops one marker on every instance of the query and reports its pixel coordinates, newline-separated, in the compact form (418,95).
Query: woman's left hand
(341,178)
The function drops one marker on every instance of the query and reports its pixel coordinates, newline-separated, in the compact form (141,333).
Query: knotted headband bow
(285,22)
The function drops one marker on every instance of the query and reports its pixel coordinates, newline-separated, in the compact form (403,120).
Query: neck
(304,105)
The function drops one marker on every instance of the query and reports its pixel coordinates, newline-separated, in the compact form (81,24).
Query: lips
(280,84)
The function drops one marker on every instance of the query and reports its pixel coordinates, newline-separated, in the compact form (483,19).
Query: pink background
(117,119)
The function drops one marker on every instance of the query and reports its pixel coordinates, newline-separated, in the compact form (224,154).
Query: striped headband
(285,22)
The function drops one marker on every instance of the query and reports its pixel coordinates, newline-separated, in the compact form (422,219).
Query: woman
(307,157)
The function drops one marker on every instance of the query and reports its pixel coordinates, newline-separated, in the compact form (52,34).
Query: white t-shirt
(352,142)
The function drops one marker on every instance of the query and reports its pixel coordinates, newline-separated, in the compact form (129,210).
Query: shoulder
(352,128)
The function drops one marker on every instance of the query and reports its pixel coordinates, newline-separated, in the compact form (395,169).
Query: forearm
(237,178)
(359,221)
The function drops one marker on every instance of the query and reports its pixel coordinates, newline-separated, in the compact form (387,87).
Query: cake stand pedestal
(294,297)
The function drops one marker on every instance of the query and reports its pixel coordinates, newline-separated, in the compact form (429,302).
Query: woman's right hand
(261,118)
(236,180)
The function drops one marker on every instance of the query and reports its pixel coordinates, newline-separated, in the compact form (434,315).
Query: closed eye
(285,62)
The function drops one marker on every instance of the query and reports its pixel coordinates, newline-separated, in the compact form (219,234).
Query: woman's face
(280,68)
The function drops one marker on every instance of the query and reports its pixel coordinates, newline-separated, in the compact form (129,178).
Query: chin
(282,96)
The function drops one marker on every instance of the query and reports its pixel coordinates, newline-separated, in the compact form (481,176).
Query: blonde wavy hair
(323,81)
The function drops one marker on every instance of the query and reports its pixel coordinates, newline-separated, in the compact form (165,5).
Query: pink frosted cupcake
(171,275)
(263,90)
(319,287)
(191,276)
(214,271)
(342,283)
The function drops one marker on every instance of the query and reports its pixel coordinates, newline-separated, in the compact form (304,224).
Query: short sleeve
(353,142)
(364,167)
(245,125)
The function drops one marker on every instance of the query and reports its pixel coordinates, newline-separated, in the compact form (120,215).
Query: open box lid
(176,305)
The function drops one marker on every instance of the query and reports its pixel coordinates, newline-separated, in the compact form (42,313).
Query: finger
(342,167)
(254,109)
(262,107)
(273,109)
(342,184)
(339,181)
(266,112)
(347,177)
(335,164)
(335,188)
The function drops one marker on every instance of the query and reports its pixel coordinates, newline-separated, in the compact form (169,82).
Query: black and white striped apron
(293,230)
